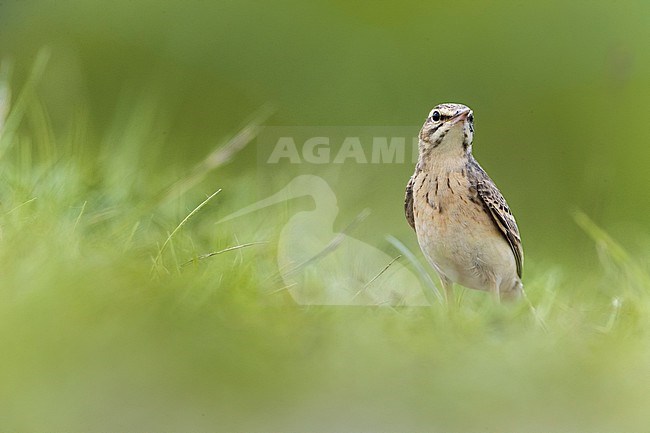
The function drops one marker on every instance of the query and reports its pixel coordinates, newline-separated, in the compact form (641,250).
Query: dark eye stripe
(439,117)
(442,117)
(435,128)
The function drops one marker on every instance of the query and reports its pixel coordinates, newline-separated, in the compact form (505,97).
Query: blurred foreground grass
(103,329)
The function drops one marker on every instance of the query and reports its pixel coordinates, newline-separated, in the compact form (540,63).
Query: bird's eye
(471,118)
(435,116)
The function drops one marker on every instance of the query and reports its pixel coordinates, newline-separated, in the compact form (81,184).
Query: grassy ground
(105,327)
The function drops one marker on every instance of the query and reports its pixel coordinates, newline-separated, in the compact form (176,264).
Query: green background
(559,89)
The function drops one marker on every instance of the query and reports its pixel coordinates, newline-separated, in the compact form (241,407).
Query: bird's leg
(496,290)
(514,293)
(448,287)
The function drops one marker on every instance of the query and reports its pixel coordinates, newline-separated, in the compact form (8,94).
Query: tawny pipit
(464,225)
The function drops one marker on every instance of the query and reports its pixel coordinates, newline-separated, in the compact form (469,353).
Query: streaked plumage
(464,226)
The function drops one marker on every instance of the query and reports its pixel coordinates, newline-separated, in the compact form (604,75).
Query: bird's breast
(454,230)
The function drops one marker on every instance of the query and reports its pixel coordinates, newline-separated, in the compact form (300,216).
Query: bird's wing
(408,203)
(500,212)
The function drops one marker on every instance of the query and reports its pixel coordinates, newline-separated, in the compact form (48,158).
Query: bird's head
(448,128)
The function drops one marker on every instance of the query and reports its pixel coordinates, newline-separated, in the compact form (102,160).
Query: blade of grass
(178,227)
(18,110)
(81,212)
(614,250)
(424,275)
(221,155)
(225,250)
(385,268)
(5,91)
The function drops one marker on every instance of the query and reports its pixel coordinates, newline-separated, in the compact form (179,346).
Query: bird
(463,224)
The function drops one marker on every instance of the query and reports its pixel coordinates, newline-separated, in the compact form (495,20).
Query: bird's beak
(460,116)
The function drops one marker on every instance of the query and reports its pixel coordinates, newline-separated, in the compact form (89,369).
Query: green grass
(115,316)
